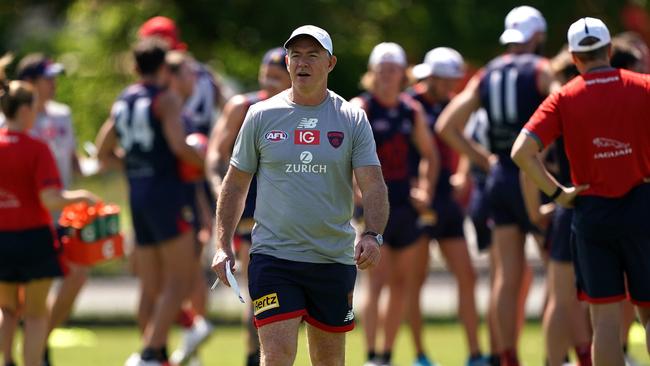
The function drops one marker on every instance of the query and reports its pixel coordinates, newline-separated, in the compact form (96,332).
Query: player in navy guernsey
(399,124)
(509,88)
(273,78)
(145,129)
(439,76)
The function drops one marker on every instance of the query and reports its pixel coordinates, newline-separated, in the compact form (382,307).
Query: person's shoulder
(636,78)
(345,107)
(57,109)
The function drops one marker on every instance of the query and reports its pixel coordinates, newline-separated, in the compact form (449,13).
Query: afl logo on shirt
(276,135)
(306,137)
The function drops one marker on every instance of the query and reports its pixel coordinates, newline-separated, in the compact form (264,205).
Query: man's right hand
(366,253)
(568,195)
(221,257)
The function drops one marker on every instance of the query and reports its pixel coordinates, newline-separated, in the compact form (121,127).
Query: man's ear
(332,63)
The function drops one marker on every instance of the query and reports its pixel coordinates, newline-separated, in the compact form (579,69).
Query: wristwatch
(378,237)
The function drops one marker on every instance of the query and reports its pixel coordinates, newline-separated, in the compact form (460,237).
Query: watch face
(380,239)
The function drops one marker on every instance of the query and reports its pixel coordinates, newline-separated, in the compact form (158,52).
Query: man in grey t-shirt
(304,145)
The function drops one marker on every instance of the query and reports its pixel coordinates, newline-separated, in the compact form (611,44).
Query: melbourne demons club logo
(335,138)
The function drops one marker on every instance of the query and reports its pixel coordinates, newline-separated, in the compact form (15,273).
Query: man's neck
(311,98)
(595,66)
(388,98)
(40,107)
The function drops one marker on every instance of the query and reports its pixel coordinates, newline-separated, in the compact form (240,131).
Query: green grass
(110,346)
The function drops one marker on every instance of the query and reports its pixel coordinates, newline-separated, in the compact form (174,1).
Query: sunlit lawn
(110,346)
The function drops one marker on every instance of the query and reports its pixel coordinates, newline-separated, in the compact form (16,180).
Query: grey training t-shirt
(303,157)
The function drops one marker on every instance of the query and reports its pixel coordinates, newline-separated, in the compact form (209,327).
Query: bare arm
(222,140)
(56,199)
(452,121)
(229,210)
(169,109)
(430,163)
(107,146)
(374,197)
(524,154)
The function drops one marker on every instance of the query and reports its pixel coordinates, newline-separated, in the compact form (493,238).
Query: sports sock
(371,355)
(186,318)
(509,358)
(584,354)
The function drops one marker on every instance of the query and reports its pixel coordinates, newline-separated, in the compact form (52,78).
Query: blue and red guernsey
(140,134)
(28,167)
(509,93)
(392,128)
(603,118)
(448,156)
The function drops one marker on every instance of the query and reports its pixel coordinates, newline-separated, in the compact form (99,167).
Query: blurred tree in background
(92,37)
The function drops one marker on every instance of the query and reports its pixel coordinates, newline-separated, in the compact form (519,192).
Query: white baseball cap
(387,52)
(521,24)
(441,61)
(587,29)
(313,31)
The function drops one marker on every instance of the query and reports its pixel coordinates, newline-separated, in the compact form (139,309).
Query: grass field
(110,346)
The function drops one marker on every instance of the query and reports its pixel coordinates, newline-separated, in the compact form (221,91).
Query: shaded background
(92,37)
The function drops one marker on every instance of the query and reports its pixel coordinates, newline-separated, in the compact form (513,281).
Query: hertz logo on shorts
(265,303)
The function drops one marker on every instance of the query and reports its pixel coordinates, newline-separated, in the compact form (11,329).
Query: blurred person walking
(145,135)
(29,247)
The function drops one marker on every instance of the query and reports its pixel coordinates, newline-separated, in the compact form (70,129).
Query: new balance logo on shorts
(349,317)
(308,123)
(265,303)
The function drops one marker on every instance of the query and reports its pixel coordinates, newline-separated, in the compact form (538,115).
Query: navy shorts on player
(450,218)
(479,213)
(612,247)
(28,255)
(559,235)
(161,210)
(402,228)
(320,293)
(505,200)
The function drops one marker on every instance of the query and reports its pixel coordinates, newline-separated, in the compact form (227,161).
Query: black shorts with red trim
(30,254)
(402,229)
(611,247)
(319,293)
(558,238)
(160,210)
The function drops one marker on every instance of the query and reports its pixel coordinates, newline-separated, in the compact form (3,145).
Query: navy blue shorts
(612,247)
(559,235)
(28,255)
(479,213)
(160,210)
(320,293)
(450,218)
(505,200)
(402,228)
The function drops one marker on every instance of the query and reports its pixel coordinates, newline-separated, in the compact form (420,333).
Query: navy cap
(275,56)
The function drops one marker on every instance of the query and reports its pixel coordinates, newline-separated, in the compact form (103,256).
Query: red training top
(604,117)
(26,168)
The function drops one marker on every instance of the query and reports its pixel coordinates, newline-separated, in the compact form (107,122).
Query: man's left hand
(366,253)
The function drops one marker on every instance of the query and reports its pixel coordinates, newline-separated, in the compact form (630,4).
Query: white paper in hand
(232,281)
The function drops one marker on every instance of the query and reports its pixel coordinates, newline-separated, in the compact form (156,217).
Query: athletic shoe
(478,361)
(629,361)
(372,363)
(194,361)
(423,361)
(135,360)
(192,339)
